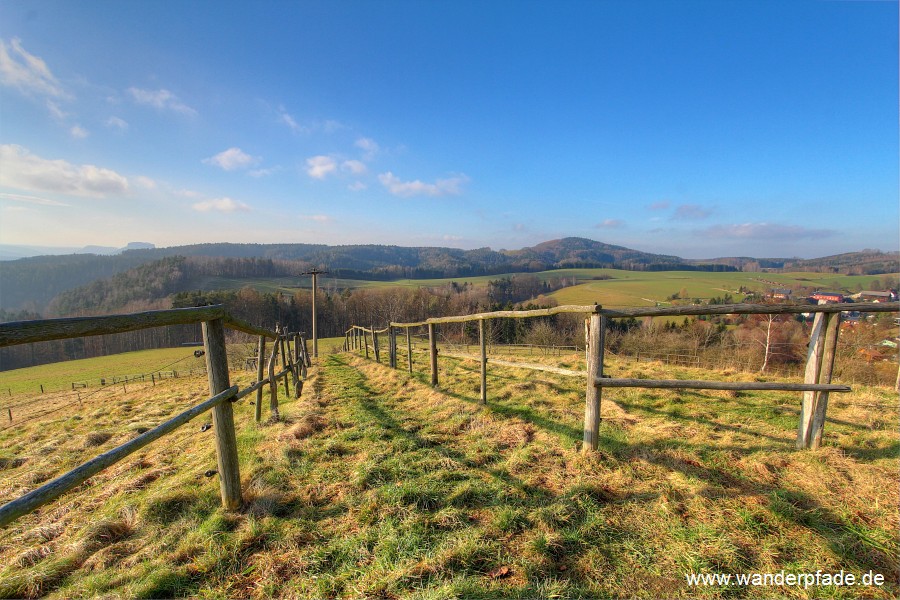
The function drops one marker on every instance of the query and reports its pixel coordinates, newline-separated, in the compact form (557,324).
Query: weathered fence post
(298,380)
(222,414)
(366,341)
(285,361)
(594,343)
(832,330)
(260,365)
(392,359)
(481,342)
(433,352)
(375,345)
(273,385)
(813,366)
(408,351)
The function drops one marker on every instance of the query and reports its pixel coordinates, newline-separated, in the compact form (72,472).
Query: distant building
(890,296)
(828,297)
(780,294)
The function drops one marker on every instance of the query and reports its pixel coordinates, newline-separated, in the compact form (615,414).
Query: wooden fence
(213,319)
(815,388)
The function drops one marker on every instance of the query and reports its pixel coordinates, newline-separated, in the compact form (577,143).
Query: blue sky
(699,129)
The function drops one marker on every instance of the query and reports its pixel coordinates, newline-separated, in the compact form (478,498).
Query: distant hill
(32,283)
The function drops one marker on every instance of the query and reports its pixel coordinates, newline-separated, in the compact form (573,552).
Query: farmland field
(622,288)
(376,484)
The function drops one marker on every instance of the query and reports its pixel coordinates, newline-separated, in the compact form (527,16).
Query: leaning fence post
(813,366)
(483,361)
(375,345)
(298,356)
(285,361)
(594,342)
(408,351)
(432,349)
(222,414)
(273,385)
(832,329)
(260,365)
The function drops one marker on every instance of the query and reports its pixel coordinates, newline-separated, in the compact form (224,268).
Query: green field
(374,484)
(623,288)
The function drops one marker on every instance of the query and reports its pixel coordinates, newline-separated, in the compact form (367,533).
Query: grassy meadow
(622,288)
(374,484)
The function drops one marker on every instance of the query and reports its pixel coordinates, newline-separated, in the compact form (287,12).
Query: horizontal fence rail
(213,319)
(692,384)
(59,486)
(25,332)
(817,378)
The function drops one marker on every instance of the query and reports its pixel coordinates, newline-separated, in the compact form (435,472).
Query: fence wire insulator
(210,473)
(206,427)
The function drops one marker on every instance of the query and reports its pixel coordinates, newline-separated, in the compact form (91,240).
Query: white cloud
(145,182)
(287,119)
(689,212)
(263,172)
(357,186)
(26,72)
(319,167)
(231,159)
(765,231)
(369,147)
(316,218)
(355,167)
(610,224)
(78,132)
(161,99)
(406,189)
(225,205)
(189,194)
(117,123)
(55,111)
(31,199)
(25,171)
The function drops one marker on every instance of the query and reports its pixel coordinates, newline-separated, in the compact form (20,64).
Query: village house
(828,297)
(780,294)
(868,296)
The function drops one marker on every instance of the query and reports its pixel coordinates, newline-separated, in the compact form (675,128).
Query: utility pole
(315,337)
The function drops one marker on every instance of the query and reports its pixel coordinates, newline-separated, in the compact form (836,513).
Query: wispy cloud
(369,147)
(690,212)
(263,172)
(145,182)
(25,171)
(78,132)
(356,167)
(161,99)
(406,189)
(316,218)
(357,186)
(232,159)
(55,111)
(225,205)
(661,205)
(285,118)
(319,167)
(765,231)
(31,200)
(610,224)
(117,123)
(26,72)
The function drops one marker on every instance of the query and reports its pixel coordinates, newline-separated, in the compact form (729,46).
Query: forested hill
(32,283)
